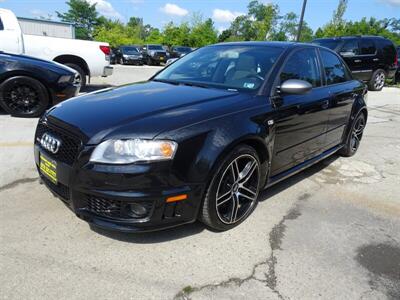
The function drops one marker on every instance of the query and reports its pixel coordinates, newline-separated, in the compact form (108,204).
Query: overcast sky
(159,12)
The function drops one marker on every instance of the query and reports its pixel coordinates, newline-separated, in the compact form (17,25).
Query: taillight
(105,49)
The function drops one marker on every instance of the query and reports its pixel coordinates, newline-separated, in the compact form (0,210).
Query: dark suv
(370,58)
(154,54)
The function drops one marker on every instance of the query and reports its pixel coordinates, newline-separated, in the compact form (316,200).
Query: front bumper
(108,71)
(101,194)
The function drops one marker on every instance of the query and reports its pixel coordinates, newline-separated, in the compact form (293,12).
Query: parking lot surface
(330,232)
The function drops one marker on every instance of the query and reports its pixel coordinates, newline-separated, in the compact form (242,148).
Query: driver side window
(302,65)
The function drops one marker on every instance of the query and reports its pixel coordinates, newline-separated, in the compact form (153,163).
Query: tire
(354,137)
(149,62)
(23,96)
(220,210)
(80,71)
(121,61)
(377,81)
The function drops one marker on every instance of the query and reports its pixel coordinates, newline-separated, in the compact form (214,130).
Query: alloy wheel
(22,99)
(379,80)
(357,133)
(237,190)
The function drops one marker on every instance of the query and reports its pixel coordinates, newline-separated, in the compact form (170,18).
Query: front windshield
(238,67)
(328,43)
(129,50)
(155,47)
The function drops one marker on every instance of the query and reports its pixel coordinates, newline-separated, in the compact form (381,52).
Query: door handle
(357,60)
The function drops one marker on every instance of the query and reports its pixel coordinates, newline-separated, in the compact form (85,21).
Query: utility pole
(301,20)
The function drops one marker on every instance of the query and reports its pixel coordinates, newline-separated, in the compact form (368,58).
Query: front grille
(113,208)
(59,189)
(70,145)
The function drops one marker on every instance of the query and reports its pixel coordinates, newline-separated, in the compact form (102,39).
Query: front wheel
(377,81)
(233,192)
(23,96)
(354,137)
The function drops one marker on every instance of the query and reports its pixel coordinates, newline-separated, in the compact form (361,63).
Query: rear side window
(1,25)
(335,71)
(350,48)
(367,47)
(303,65)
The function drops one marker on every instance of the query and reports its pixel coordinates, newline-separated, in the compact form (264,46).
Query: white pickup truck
(90,59)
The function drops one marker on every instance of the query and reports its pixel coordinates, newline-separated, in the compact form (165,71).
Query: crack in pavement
(276,236)
(17,182)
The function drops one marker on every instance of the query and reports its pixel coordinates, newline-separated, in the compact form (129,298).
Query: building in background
(47,28)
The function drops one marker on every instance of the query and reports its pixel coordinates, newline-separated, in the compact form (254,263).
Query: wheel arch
(63,59)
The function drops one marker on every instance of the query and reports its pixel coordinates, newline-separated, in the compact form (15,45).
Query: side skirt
(300,167)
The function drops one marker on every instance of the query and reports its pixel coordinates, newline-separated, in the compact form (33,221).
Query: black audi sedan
(202,138)
(28,86)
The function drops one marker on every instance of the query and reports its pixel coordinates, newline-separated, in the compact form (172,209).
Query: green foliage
(83,15)
(262,22)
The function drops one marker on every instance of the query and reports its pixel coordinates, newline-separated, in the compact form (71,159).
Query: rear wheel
(149,62)
(233,192)
(80,71)
(377,81)
(23,96)
(354,137)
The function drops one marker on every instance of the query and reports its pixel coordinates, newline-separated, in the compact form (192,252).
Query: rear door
(343,91)
(368,58)
(301,119)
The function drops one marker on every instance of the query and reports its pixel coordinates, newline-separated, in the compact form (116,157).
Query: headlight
(65,78)
(130,151)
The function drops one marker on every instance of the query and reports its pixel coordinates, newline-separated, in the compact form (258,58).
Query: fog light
(137,210)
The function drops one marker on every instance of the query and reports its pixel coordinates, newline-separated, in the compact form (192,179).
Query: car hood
(143,110)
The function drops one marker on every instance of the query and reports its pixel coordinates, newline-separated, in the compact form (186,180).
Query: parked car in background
(89,59)
(113,60)
(179,51)
(154,54)
(202,138)
(28,86)
(128,55)
(371,59)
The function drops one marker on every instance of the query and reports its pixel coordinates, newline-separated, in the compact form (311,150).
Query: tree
(287,29)
(203,33)
(83,15)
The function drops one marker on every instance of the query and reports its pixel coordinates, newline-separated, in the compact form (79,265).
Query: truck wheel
(23,96)
(80,71)
(149,62)
(377,81)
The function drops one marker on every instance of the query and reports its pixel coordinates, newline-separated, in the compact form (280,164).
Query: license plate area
(48,167)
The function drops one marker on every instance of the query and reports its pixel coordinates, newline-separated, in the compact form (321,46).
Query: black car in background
(179,51)
(28,86)
(125,55)
(202,138)
(154,54)
(371,59)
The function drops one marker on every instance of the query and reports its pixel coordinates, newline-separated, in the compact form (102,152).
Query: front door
(301,119)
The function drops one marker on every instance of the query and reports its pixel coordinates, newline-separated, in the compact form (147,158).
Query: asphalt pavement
(330,232)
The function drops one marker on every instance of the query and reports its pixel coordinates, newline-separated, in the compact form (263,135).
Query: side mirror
(295,87)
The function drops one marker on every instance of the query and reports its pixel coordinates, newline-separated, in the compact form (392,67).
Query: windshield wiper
(194,84)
